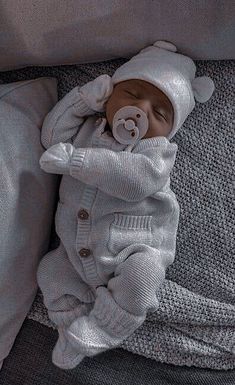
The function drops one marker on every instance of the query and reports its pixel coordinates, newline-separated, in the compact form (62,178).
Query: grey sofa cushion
(197,299)
(27,199)
(82,32)
(29,363)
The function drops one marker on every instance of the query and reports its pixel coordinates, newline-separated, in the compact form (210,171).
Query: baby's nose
(144,105)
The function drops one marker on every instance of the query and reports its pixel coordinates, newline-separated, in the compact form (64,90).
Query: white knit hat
(173,74)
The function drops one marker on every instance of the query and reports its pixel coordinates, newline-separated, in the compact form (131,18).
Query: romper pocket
(126,230)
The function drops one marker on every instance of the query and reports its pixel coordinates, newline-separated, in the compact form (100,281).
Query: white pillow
(27,199)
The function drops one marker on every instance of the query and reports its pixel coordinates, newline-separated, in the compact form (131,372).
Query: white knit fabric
(173,74)
(125,243)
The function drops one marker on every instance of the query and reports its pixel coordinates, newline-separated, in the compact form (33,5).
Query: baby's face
(148,98)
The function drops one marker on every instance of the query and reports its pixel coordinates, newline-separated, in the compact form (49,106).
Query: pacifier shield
(130,124)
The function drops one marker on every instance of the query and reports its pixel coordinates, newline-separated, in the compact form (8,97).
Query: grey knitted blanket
(195,323)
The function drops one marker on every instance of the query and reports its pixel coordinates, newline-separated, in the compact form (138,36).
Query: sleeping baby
(117,216)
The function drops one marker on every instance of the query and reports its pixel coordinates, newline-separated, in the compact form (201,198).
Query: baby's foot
(64,355)
(86,336)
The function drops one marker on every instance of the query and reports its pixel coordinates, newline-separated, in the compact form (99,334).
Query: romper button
(83,214)
(85,252)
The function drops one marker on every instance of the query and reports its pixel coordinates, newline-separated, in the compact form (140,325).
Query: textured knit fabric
(201,279)
(129,230)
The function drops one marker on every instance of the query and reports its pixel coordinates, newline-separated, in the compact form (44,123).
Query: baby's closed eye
(132,94)
(159,113)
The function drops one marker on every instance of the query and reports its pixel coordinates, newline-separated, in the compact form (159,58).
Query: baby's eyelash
(159,114)
(131,94)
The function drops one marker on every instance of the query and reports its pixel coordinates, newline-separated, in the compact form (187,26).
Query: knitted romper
(116,219)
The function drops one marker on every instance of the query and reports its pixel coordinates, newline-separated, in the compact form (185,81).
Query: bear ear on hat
(203,88)
(165,45)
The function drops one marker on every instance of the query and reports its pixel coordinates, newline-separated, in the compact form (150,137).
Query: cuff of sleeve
(77,162)
(81,108)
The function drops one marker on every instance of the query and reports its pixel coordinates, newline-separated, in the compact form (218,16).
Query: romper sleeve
(65,119)
(126,175)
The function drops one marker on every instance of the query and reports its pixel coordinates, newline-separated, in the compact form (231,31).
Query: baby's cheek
(111,110)
(154,130)
(108,111)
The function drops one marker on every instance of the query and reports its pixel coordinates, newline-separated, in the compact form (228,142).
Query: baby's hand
(57,159)
(97,92)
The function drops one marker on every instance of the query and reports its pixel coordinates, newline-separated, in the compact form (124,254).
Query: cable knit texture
(194,324)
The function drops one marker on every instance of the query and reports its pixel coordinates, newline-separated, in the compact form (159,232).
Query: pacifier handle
(129,125)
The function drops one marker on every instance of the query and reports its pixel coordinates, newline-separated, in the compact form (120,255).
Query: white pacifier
(130,124)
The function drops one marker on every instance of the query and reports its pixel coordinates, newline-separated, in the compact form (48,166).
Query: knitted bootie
(85,335)
(104,328)
(64,355)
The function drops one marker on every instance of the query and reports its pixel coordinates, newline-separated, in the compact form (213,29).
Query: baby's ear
(203,88)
